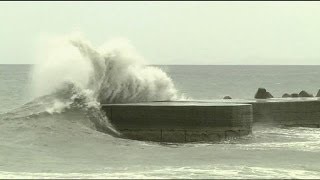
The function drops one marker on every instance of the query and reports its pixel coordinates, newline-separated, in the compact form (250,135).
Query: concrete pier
(302,112)
(180,121)
(190,121)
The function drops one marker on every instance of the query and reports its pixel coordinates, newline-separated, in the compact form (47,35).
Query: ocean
(37,142)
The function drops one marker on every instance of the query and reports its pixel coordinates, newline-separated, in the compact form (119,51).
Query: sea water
(59,131)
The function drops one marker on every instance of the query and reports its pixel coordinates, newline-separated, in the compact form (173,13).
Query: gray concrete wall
(303,112)
(208,121)
(180,123)
(288,113)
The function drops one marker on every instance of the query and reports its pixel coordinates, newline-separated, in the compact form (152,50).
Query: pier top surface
(180,103)
(215,102)
(271,100)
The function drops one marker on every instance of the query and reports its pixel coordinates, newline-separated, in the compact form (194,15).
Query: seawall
(302,112)
(180,121)
(190,121)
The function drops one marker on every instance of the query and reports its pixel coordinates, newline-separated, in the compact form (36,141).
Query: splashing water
(114,73)
(77,75)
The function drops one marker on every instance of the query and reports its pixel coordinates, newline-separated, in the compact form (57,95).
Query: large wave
(112,73)
(72,74)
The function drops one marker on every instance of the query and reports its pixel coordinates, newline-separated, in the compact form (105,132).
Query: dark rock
(262,93)
(269,95)
(227,97)
(318,94)
(286,95)
(305,94)
(294,95)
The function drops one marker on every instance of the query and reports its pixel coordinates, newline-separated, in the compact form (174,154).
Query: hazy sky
(172,32)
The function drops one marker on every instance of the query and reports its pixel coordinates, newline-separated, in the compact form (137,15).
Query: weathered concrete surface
(289,113)
(180,121)
(303,112)
(209,120)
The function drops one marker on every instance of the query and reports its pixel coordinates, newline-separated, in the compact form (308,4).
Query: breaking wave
(72,75)
(112,73)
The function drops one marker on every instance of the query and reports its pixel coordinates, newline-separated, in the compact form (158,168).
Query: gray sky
(172,32)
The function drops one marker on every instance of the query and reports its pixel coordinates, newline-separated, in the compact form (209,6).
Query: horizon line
(213,64)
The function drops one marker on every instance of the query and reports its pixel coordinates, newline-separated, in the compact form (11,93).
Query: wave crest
(73,76)
(113,73)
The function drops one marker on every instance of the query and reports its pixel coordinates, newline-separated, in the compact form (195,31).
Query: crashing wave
(113,73)
(72,74)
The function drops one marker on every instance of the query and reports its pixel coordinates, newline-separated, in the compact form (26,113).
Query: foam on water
(219,171)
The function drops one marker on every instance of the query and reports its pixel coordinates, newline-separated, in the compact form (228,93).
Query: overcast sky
(172,32)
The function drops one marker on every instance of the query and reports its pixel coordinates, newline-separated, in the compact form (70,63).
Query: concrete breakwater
(302,112)
(180,121)
(190,121)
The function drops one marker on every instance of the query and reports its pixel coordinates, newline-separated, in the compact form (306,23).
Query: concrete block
(180,121)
